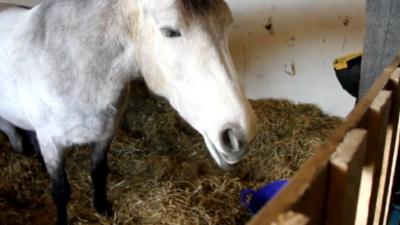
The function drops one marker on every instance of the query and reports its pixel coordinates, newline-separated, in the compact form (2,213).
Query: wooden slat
(313,202)
(377,124)
(294,193)
(379,119)
(297,193)
(394,86)
(393,169)
(390,156)
(291,218)
(382,193)
(382,185)
(345,176)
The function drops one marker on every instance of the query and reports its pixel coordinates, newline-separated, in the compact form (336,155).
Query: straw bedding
(160,172)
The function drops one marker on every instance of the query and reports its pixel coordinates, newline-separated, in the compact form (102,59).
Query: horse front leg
(99,172)
(30,144)
(54,162)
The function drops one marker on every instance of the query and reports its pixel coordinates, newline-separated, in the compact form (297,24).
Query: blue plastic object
(394,218)
(255,200)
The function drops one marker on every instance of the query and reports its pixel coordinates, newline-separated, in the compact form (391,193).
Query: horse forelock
(199,7)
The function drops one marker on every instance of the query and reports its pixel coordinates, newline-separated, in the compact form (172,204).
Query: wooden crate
(349,179)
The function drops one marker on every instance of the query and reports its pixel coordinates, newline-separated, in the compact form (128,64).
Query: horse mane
(198,7)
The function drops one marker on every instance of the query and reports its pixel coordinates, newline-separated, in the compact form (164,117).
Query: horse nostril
(230,141)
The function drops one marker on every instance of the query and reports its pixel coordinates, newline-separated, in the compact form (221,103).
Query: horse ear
(227,16)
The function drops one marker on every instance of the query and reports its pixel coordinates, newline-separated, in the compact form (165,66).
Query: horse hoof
(104,208)
(62,221)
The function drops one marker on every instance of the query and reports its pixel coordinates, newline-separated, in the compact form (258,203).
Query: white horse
(65,68)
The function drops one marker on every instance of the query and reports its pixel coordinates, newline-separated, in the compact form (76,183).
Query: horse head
(183,56)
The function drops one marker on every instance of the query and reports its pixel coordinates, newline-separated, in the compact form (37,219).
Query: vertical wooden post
(382,39)
(390,161)
(377,124)
(344,179)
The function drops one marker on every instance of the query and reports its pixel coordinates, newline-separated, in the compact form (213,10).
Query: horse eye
(170,33)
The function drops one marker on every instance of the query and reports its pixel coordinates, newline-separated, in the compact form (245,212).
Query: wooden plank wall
(349,178)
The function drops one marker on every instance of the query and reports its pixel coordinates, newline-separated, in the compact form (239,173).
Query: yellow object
(341,63)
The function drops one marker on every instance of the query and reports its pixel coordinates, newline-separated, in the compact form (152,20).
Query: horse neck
(93,38)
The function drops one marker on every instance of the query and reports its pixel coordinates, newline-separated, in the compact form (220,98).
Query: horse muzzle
(229,148)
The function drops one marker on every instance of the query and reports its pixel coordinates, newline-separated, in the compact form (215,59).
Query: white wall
(306,35)
(294,59)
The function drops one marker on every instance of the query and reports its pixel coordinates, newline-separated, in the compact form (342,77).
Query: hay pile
(160,170)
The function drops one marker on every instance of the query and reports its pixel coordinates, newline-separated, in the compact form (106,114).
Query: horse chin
(223,161)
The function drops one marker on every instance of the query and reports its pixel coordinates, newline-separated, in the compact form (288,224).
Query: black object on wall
(348,70)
